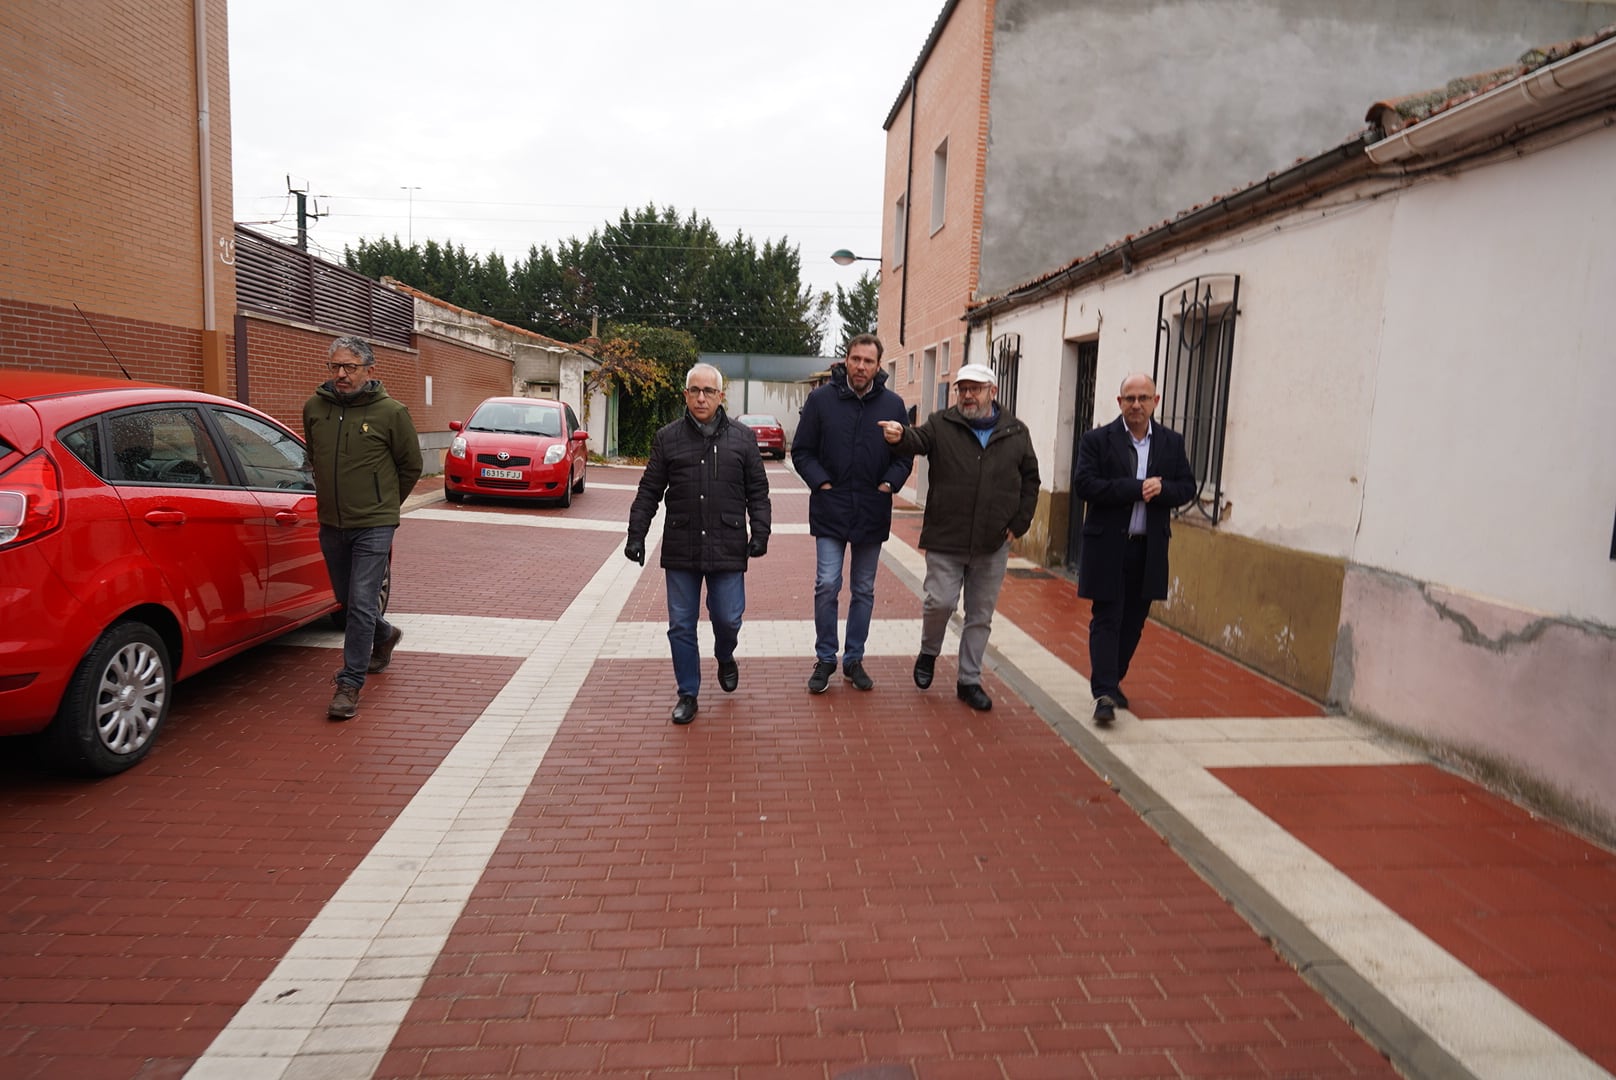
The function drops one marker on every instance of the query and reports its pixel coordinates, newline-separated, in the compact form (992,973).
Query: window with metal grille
(1006,363)
(1195,323)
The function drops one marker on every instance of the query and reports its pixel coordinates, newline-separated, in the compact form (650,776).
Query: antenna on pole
(305,209)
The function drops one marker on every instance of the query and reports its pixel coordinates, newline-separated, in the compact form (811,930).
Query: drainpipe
(1495,110)
(908,209)
(212,342)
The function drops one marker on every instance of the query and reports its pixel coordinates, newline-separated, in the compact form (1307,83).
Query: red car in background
(146,533)
(771,437)
(517,447)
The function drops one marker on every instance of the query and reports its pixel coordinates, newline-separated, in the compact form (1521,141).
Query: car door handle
(165,517)
(287,517)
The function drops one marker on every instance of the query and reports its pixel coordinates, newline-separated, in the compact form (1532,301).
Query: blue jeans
(726,602)
(356,561)
(862,564)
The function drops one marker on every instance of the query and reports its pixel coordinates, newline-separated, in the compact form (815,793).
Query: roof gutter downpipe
(204,156)
(1496,109)
(908,211)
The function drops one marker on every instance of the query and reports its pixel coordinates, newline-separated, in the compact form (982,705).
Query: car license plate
(502,474)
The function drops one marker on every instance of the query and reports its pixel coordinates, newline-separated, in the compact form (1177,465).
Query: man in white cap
(982,492)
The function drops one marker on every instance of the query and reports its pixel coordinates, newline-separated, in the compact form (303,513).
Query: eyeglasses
(703,391)
(344,369)
(1137,399)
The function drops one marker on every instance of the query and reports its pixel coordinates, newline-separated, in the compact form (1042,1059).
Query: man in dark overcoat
(1132,473)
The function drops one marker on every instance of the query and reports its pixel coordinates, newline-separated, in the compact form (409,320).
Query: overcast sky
(526,122)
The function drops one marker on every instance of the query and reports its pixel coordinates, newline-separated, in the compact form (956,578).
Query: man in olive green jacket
(366,459)
(982,493)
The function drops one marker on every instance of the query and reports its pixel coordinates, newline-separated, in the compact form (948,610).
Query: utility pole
(300,188)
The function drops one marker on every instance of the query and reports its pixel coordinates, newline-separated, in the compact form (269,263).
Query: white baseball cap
(976,373)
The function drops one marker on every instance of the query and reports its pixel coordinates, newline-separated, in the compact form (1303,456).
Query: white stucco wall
(1302,384)
(1493,444)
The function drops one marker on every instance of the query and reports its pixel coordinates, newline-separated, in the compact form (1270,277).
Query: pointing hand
(891,430)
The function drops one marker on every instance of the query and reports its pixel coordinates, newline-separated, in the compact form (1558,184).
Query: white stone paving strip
(1482,1028)
(332,1005)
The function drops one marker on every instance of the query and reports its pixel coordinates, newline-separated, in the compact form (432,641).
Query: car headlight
(457,448)
(556,452)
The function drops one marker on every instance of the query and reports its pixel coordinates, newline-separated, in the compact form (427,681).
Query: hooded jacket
(975,493)
(713,485)
(365,455)
(839,442)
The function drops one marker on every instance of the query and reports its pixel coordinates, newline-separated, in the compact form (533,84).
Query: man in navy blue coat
(1132,473)
(851,473)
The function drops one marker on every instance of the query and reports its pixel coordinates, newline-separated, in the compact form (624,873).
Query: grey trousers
(947,572)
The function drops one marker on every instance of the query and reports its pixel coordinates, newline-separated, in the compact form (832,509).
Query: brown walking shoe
(344,703)
(381,654)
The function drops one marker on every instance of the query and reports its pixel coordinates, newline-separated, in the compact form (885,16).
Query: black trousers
(1115,626)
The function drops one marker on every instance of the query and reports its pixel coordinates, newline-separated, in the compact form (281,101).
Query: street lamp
(843,257)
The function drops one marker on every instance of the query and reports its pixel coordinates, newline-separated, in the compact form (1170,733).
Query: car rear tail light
(30,500)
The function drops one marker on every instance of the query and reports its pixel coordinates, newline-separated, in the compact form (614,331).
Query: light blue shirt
(1136,523)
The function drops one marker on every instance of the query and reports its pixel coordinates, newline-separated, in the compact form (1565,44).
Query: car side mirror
(455,425)
(580,435)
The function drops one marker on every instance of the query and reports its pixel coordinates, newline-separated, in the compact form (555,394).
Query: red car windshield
(517,420)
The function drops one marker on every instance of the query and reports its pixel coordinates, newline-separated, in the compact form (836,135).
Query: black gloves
(634,551)
(758,547)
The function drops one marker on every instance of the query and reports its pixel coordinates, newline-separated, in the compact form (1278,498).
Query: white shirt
(1136,523)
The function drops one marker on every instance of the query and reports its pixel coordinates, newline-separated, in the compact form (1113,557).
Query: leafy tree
(857,309)
(648,363)
(651,267)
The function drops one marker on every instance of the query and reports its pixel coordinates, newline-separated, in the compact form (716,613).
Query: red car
(771,436)
(517,447)
(146,533)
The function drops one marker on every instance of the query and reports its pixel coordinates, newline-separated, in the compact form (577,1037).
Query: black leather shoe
(819,681)
(1120,699)
(853,671)
(729,675)
(1105,711)
(685,711)
(924,666)
(974,696)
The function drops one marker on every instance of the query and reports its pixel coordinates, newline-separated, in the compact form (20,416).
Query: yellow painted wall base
(1273,608)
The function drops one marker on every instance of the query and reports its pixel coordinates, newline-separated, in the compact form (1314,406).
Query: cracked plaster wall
(1536,694)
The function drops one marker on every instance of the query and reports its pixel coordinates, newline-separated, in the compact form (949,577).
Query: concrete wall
(102,184)
(782,400)
(1111,115)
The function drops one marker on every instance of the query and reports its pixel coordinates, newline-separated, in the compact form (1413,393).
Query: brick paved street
(511,865)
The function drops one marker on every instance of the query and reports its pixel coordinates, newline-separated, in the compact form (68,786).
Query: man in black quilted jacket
(711,474)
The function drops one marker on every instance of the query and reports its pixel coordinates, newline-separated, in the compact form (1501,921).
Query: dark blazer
(1106,481)
(839,442)
(713,486)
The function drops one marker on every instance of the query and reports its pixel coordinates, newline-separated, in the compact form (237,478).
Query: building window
(900,225)
(939,185)
(1006,357)
(942,357)
(1195,324)
(911,376)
